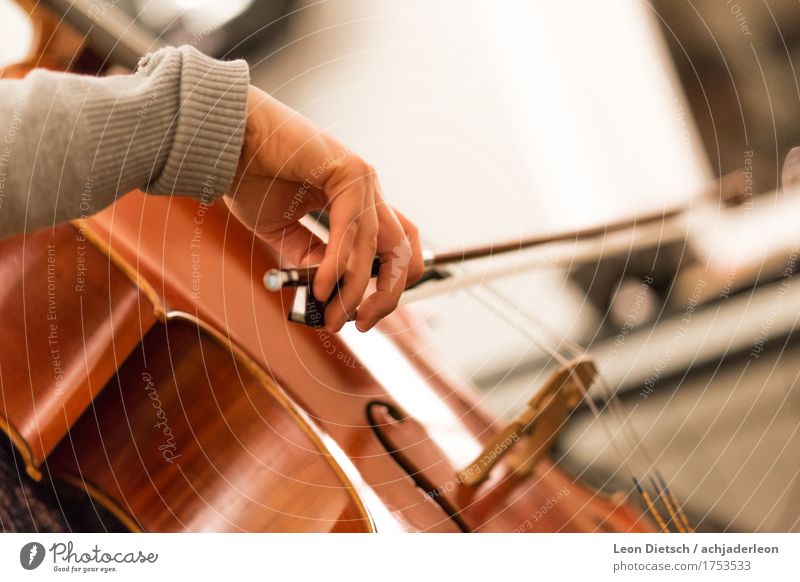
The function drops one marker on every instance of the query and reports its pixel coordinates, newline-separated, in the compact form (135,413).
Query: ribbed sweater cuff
(178,130)
(209,126)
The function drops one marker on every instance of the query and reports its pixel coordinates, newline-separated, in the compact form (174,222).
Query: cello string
(612,401)
(651,506)
(679,509)
(573,350)
(625,459)
(668,504)
(553,352)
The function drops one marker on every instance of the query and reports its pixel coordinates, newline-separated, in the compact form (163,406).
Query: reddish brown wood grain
(331,381)
(268,423)
(69,320)
(190,437)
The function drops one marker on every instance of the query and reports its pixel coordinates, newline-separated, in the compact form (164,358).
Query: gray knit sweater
(70,144)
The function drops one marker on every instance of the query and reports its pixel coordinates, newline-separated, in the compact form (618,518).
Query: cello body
(162,377)
(142,360)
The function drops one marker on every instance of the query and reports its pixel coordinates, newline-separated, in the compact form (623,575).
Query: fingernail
(369,325)
(332,324)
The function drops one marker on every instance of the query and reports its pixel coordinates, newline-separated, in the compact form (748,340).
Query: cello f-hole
(408,467)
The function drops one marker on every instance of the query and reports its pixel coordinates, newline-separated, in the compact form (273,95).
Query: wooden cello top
(272,427)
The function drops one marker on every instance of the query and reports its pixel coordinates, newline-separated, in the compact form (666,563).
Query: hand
(288,168)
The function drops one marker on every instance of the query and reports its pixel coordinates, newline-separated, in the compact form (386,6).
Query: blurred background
(492,121)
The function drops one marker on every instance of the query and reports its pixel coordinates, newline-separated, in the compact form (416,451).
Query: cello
(144,362)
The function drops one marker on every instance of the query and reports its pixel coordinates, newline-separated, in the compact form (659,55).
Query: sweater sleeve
(70,144)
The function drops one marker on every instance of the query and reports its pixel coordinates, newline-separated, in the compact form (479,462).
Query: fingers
(348,188)
(362,226)
(297,246)
(357,275)
(417,265)
(353,242)
(395,251)
(289,167)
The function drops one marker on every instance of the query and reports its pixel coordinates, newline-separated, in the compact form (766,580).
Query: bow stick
(308,310)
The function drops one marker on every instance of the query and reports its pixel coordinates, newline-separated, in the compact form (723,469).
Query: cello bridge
(534,430)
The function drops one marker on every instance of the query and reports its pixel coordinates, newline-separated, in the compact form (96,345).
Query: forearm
(69,145)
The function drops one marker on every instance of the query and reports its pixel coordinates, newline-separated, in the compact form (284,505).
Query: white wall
(491,120)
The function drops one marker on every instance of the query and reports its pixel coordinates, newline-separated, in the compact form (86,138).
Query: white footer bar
(404,558)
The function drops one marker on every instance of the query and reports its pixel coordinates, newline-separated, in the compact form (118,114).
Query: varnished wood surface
(189,438)
(326,376)
(69,320)
(247,458)
(54,44)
